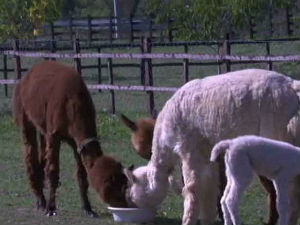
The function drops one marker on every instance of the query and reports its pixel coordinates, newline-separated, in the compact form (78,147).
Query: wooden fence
(222,58)
(277,22)
(109,29)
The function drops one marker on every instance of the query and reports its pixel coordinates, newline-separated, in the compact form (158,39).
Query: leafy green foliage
(198,19)
(19,18)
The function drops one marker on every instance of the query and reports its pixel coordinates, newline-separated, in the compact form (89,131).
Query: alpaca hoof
(51,213)
(91,213)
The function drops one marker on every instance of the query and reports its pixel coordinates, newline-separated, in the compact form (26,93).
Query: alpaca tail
(219,148)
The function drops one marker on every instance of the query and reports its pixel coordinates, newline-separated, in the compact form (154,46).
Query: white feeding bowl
(133,215)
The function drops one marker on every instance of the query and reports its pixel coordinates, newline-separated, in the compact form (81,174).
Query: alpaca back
(225,106)
(54,98)
(270,158)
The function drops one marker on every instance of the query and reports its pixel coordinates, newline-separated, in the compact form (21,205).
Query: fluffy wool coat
(200,114)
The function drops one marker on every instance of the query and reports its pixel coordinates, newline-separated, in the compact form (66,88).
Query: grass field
(17,202)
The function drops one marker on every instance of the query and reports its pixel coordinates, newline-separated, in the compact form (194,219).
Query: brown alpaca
(53,102)
(141,139)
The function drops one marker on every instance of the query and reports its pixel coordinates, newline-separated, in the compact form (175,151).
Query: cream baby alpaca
(246,155)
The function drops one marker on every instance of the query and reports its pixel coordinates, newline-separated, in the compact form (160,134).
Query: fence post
(110,30)
(270,12)
(71,28)
(148,74)
(76,48)
(150,27)
(142,65)
(90,33)
(170,30)
(227,49)
(99,66)
(5,74)
(52,31)
(289,23)
(252,26)
(53,42)
(18,69)
(111,81)
(186,66)
(270,64)
(220,48)
(131,29)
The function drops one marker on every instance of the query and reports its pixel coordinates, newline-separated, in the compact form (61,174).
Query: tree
(20,18)
(207,19)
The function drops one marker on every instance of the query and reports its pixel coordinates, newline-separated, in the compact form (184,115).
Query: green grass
(17,202)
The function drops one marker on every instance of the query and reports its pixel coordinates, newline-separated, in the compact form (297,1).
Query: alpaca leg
(52,171)
(83,184)
(283,205)
(190,193)
(295,201)
(225,211)
(239,172)
(42,152)
(42,156)
(269,187)
(222,185)
(33,168)
(233,199)
(209,192)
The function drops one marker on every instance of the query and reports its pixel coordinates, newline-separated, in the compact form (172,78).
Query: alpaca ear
(128,123)
(131,178)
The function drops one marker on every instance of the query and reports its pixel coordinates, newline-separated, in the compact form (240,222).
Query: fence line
(185,60)
(204,57)
(94,28)
(130,88)
(109,28)
(11,81)
(111,87)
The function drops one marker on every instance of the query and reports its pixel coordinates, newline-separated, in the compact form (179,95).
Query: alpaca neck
(158,183)
(90,156)
(89,161)
(159,169)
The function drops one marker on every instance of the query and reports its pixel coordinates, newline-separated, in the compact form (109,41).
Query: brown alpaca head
(142,135)
(108,179)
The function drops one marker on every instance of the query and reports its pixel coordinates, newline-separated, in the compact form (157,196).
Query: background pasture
(16,200)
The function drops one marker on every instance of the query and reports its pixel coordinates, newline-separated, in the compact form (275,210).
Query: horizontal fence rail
(223,59)
(205,57)
(113,87)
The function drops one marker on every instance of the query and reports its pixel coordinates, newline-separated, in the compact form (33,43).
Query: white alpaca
(203,112)
(276,160)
